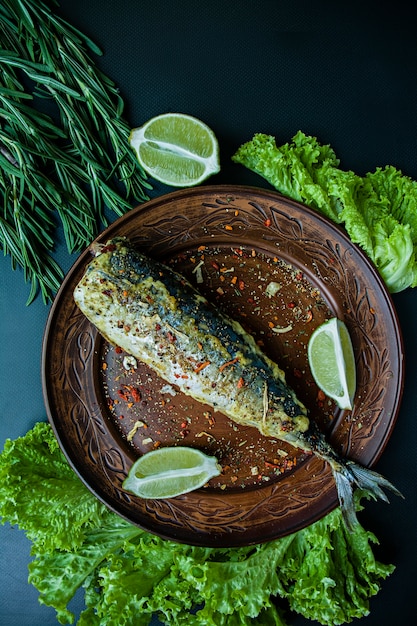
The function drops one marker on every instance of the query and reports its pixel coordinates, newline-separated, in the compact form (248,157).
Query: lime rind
(332,362)
(170,472)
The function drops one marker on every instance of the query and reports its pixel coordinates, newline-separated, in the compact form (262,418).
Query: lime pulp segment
(176,149)
(332,362)
(169,472)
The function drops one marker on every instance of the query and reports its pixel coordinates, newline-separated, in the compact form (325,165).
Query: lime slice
(332,362)
(176,149)
(169,472)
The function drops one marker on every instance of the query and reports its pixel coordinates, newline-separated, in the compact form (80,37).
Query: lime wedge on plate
(170,472)
(332,362)
(176,149)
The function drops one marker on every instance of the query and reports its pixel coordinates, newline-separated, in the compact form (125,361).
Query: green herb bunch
(64,148)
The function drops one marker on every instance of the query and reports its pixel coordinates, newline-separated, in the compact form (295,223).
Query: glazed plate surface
(281,270)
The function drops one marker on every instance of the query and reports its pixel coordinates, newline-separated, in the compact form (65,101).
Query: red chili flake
(109,248)
(123,395)
(107,292)
(241,285)
(118,350)
(232,362)
(299,275)
(157,326)
(136,395)
(267,222)
(271,465)
(321,396)
(215,265)
(240,383)
(184,433)
(201,366)
(291,305)
(171,337)
(298,373)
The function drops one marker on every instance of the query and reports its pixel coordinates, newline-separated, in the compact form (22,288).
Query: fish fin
(371,481)
(349,474)
(345,494)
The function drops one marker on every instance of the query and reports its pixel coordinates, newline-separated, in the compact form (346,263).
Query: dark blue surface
(343,72)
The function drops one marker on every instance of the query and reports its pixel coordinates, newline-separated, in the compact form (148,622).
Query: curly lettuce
(378,210)
(128,575)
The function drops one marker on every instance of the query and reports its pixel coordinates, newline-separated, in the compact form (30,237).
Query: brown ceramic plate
(279,268)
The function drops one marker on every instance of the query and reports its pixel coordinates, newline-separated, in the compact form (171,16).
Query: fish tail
(349,474)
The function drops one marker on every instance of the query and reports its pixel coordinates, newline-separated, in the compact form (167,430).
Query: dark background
(343,72)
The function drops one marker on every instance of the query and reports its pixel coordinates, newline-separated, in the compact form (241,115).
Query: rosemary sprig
(26,227)
(73,168)
(48,177)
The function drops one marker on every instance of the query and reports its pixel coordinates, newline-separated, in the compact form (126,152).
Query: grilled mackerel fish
(156,315)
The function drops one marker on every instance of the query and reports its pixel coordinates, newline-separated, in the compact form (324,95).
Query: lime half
(176,149)
(170,472)
(332,362)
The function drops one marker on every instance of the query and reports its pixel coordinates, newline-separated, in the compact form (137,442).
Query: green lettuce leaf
(128,575)
(378,211)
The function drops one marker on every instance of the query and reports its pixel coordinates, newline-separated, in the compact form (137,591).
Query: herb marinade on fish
(156,315)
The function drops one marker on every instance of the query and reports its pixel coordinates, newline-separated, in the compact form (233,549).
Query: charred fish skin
(156,315)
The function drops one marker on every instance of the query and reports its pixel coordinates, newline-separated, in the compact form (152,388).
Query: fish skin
(156,315)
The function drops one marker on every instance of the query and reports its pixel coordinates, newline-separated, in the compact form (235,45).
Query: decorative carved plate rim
(353,290)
